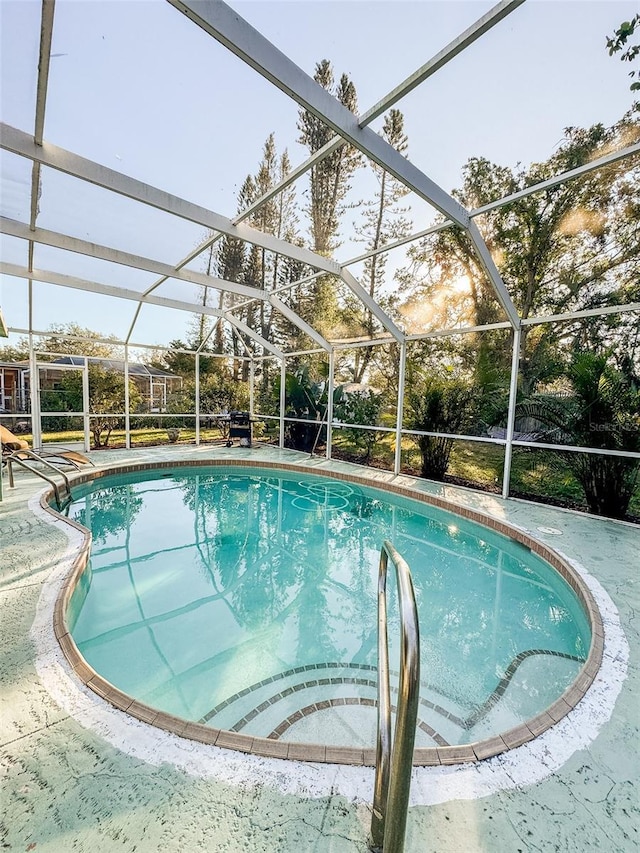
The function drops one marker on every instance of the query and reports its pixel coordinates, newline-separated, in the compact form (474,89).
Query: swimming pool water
(246,599)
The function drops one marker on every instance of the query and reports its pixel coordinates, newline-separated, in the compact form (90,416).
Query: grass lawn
(535,474)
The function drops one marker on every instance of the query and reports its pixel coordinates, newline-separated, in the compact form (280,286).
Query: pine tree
(383,221)
(329,187)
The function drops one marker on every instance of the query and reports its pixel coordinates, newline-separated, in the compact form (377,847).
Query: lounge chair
(19,448)
(501,432)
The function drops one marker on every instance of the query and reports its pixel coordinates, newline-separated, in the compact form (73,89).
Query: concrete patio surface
(71,783)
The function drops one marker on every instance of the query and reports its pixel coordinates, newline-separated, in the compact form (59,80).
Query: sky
(137,87)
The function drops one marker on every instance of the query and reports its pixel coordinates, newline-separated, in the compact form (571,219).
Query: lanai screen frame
(229,29)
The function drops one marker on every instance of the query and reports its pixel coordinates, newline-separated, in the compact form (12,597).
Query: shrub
(442,405)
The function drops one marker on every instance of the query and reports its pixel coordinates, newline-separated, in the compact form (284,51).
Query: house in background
(14,387)
(155,385)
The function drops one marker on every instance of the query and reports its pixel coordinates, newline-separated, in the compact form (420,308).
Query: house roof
(135,368)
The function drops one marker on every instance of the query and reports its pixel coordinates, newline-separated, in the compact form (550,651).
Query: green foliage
(184,363)
(219,392)
(619,41)
(110,512)
(106,399)
(569,248)
(603,412)
(60,341)
(19,352)
(306,400)
(440,404)
(365,408)
(330,182)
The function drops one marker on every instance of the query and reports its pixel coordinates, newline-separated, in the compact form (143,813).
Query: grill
(240,428)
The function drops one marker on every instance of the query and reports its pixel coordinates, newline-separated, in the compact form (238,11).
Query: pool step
(331,702)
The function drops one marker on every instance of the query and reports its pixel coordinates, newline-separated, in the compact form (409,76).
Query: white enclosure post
(252,380)
(85,402)
(36,422)
(330,387)
(23,393)
(400,408)
(127,401)
(513,396)
(197,405)
(283,397)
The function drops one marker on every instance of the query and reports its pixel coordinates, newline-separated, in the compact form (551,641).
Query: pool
(242,599)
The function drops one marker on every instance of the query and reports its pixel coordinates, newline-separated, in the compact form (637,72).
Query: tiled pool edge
(318,753)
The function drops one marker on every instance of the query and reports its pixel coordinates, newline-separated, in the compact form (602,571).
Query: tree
(383,221)
(57,341)
(569,247)
(329,187)
(106,399)
(619,41)
(283,270)
(602,411)
(306,401)
(17,352)
(439,404)
(361,407)
(92,345)
(253,265)
(111,511)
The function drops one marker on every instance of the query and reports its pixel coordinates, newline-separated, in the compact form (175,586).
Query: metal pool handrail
(17,457)
(394,762)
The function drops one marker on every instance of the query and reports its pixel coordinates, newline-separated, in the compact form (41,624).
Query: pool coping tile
(307,752)
(456,754)
(489,747)
(272,746)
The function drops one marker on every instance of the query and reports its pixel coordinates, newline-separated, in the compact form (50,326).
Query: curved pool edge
(319,753)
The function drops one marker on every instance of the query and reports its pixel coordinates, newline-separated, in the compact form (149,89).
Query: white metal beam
(254,336)
(258,203)
(21,143)
(354,285)
(73,244)
(511,416)
(458,330)
(433,229)
(283,288)
(49,277)
(46,333)
(207,337)
(227,27)
(491,270)
(46,34)
(291,315)
(372,305)
(481,26)
(586,312)
(117,256)
(402,365)
(471,34)
(562,178)
(74,283)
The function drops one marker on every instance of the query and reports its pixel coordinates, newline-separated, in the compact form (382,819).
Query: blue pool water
(241,597)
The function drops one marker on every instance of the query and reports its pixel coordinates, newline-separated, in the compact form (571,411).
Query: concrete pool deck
(70,781)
